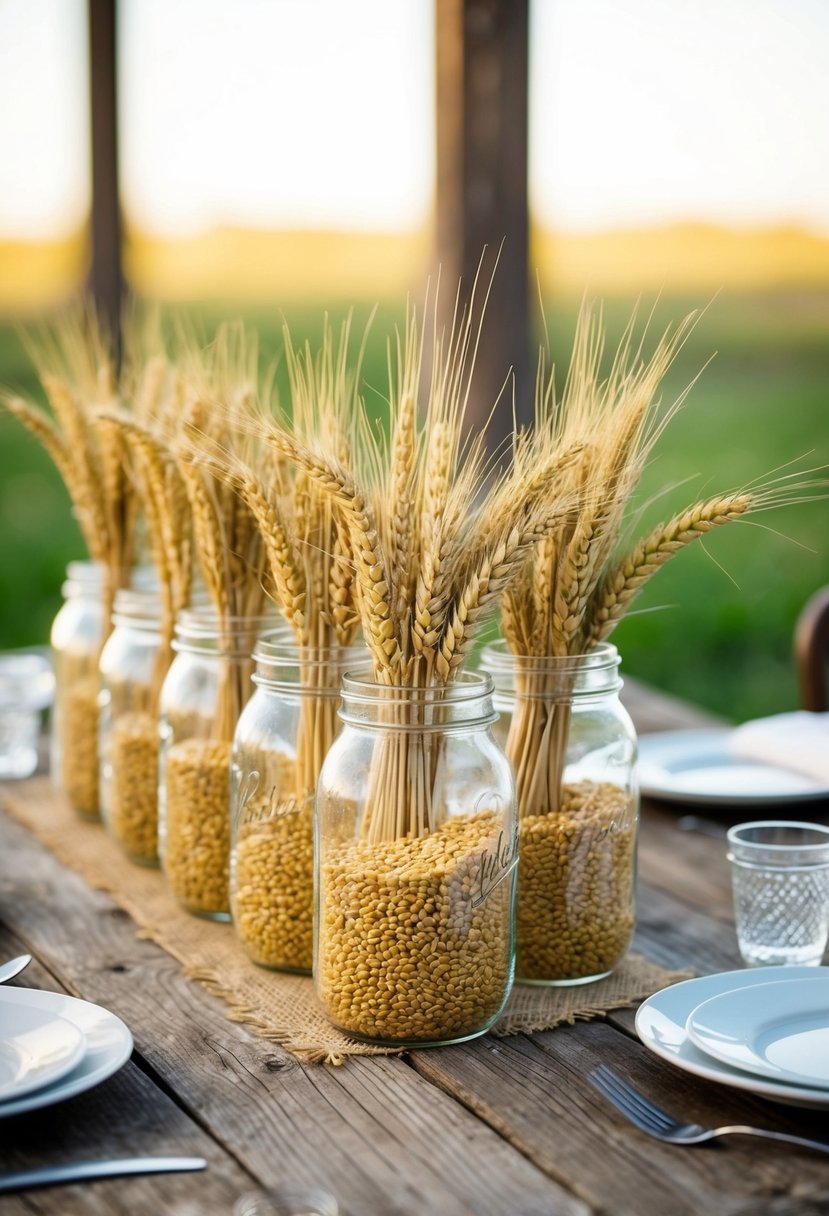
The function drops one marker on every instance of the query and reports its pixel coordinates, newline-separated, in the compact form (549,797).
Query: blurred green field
(715,625)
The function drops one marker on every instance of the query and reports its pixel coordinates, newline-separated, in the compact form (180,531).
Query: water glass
(26,688)
(780,878)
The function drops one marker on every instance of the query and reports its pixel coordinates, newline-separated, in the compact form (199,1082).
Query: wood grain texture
(375,1132)
(126,1115)
(535,1092)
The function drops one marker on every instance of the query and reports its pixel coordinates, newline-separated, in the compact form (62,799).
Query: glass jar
(415,865)
(572,746)
(204,691)
(128,727)
(282,738)
(76,638)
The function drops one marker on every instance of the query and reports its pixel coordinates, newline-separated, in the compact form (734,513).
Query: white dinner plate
(36,1048)
(108,1046)
(697,766)
(661,1020)
(778,1030)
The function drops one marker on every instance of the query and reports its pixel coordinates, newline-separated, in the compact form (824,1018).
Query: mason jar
(281,740)
(203,694)
(130,674)
(416,860)
(572,747)
(76,638)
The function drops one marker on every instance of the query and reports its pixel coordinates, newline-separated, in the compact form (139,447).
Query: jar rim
(467,686)
(137,608)
(84,578)
(202,629)
(498,656)
(422,709)
(282,665)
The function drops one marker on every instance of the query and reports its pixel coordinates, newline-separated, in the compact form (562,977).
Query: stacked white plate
(764,1030)
(53,1047)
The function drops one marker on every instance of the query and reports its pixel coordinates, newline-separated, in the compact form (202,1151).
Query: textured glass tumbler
(780,877)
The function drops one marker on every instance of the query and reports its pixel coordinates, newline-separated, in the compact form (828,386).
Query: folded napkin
(797,741)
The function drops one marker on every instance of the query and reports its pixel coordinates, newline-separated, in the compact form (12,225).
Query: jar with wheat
(76,638)
(573,747)
(415,827)
(132,665)
(281,740)
(203,693)
(417,855)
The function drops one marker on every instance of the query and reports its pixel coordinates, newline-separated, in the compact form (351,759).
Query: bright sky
(319,113)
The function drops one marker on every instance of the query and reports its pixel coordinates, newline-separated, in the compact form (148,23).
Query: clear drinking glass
(26,689)
(780,877)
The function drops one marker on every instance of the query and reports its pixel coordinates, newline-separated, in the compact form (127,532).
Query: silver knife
(80,1171)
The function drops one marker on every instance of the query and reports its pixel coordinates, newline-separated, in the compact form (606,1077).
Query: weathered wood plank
(535,1092)
(374,1132)
(127,1115)
(674,933)
(689,864)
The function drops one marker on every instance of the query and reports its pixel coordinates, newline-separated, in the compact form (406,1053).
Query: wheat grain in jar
(281,740)
(133,664)
(572,746)
(416,864)
(208,684)
(76,638)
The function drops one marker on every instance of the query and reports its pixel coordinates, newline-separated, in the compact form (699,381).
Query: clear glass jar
(76,638)
(128,727)
(281,740)
(572,746)
(208,684)
(415,865)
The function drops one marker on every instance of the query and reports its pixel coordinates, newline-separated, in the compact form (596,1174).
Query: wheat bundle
(218,384)
(434,541)
(568,599)
(77,372)
(131,740)
(310,580)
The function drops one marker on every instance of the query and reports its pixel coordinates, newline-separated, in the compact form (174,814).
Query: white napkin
(797,741)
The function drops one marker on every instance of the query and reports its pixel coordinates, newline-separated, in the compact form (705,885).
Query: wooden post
(482,70)
(106,275)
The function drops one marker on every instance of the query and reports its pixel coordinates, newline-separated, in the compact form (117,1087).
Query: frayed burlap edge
(276,1006)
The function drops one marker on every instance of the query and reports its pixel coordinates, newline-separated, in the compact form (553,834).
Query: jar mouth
(137,608)
(283,664)
(778,841)
(203,629)
(466,703)
(551,677)
(497,657)
(84,578)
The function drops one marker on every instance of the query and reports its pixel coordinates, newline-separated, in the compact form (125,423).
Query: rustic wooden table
(495,1127)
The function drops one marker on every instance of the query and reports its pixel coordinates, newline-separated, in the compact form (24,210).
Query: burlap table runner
(279,1007)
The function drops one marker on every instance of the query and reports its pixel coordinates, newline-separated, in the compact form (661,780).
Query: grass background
(715,625)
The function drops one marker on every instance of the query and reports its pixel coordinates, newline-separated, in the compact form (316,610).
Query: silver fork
(658,1123)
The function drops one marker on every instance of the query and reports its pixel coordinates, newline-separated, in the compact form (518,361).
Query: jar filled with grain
(131,668)
(416,864)
(572,746)
(282,738)
(77,636)
(203,693)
